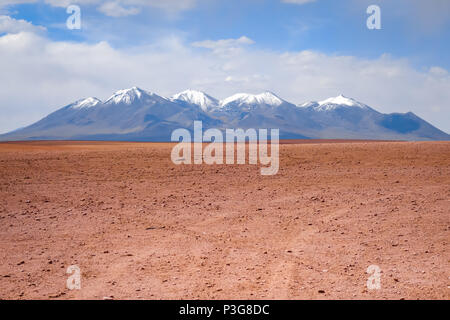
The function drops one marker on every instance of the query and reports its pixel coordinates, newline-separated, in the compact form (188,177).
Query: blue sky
(303,50)
(329,26)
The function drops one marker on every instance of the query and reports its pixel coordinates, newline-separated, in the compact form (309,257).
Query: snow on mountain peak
(198,98)
(341,100)
(86,103)
(267,97)
(127,96)
(308,104)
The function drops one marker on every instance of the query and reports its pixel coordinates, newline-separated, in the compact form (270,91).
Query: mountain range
(138,115)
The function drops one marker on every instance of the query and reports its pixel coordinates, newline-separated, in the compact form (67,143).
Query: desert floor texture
(140,227)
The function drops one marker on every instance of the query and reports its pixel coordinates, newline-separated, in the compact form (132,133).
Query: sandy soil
(140,227)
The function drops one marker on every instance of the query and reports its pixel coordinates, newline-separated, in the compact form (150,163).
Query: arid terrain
(140,227)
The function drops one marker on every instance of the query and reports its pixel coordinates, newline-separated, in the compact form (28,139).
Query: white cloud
(167,5)
(224,46)
(55,3)
(298,1)
(223,43)
(11,25)
(12,2)
(437,71)
(115,9)
(40,75)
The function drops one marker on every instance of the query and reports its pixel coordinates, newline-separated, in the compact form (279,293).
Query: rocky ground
(140,227)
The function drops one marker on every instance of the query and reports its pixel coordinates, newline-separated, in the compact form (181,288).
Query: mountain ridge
(136,114)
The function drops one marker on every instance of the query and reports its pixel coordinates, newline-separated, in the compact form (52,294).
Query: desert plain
(140,227)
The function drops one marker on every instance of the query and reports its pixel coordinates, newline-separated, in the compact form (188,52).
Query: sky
(302,50)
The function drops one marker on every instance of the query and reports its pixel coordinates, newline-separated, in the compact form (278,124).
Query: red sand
(140,227)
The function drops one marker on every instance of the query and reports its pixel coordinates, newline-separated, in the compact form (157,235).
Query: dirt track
(140,227)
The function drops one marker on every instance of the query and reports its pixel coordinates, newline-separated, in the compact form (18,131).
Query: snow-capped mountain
(245,99)
(138,115)
(339,102)
(126,96)
(198,98)
(250,110)
(132,95)
(86,103)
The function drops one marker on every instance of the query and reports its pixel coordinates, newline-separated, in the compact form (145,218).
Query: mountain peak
(150,117)
(127,96)
(86,103)
(266,97)
(341,100)
(270,98)
(336,102)
(199,98)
